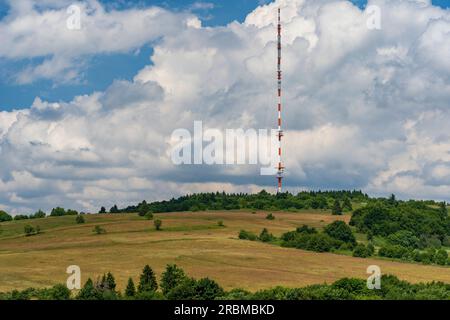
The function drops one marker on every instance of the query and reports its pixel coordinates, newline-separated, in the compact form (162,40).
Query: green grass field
(194,241)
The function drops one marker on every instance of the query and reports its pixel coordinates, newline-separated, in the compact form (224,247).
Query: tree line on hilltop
(338,201)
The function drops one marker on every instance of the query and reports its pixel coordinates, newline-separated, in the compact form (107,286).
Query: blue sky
(370,113)
(103,69)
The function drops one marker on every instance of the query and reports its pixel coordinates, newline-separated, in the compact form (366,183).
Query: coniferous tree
(392,200)
(88,292)
(347,205)
(130,290)
(110,282)
(265,236)
(336,210)
(172,277)
(102,210)
(147,281)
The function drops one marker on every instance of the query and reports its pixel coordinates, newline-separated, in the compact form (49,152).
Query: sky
(86,115)
(104,68)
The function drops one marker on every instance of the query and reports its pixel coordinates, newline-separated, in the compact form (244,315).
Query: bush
(346,246)
(236,294)
(309,240)
(59,292)
(397,252)
(149,215)
(441,257)
(265,236)
(158,224)
(361,251)
(21,217)
(289,236)
(305,229)
(352,287)
(149,295)
(270,217)
(79,219)
(246,235)
(319,243)
(426,257)
(339,230)
(183,291)
(191,289)
(220,223)
(99,230)
(71,212)
(31,231)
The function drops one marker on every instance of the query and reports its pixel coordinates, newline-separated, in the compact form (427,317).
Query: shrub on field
(99,230)
(79,219)
(247,235)
(158,224)
(149,215)
(31,231)
(339,230)
(361,251)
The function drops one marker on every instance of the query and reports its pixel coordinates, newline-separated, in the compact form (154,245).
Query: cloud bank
(366,109)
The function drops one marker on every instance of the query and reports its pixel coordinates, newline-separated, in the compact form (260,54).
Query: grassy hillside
(194,241)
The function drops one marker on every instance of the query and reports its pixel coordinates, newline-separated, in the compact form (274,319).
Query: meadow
(194,241)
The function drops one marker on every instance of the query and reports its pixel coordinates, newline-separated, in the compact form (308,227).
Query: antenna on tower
(280,168)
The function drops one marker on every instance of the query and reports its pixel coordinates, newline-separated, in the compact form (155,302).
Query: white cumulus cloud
(363,108)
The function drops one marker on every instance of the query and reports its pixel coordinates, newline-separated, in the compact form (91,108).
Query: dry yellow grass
(194,241)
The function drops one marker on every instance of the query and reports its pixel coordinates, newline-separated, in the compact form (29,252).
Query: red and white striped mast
(280,168)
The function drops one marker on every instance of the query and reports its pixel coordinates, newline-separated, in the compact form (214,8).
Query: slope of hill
(193,240)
